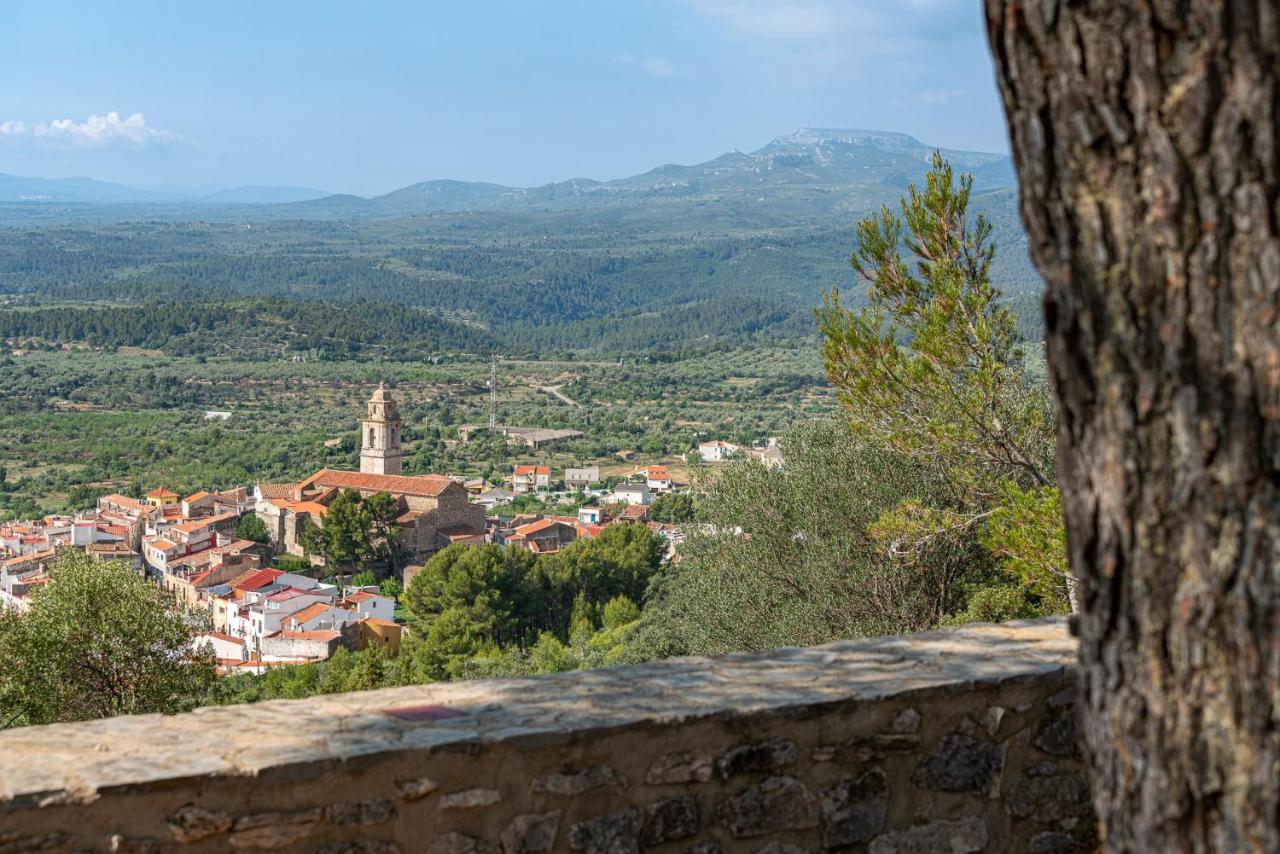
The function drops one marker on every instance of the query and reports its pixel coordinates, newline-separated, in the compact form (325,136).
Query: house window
(370,437)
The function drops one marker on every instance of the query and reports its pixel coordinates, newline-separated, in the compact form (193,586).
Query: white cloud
(94,132)
(938,97)
(654,66)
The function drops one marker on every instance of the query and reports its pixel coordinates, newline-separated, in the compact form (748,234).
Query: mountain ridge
(810,171)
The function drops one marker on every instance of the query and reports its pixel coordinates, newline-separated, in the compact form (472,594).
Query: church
(434,511)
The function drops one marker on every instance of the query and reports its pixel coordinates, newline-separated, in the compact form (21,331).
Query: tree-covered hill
(734,250)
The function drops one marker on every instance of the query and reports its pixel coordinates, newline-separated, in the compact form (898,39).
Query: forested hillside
(733,251)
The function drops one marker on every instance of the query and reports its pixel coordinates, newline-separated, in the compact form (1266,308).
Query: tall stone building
(380,436)
(433,511)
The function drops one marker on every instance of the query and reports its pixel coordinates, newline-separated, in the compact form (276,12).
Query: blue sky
(367,97)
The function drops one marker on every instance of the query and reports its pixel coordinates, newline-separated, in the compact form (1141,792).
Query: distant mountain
(254,194)
(811,174)
(17,188)
(812,171)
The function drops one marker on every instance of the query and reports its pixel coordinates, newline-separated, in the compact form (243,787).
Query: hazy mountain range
(809,172)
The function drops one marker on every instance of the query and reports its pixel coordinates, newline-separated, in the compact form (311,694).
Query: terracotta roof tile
(275,490)
(427,485)
(197,524)
(309,613)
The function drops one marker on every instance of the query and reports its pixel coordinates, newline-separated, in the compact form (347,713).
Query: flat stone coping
(293,739)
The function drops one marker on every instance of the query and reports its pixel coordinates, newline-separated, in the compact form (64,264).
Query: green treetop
(932,367)
(98,641)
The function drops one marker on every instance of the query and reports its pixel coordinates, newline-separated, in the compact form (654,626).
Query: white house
(581,478)
(366,604)
(632,493)
(657,478)
(528,478)
(717,451)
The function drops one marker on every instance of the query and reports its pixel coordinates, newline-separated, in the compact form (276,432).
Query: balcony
(958,741)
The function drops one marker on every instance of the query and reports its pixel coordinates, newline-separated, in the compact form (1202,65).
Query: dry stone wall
(959,741)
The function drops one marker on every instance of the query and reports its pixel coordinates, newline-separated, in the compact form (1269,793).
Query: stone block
(761,756)
(674,818)
(1056,734)
(906,723)
(615,833)
(684,767)
(531,833)
(1047,792)
(470,798)
(417,789)
(960,763)
(777,803)
(854,811)
(575,783)
(192,823)
(270,830)
(962,836)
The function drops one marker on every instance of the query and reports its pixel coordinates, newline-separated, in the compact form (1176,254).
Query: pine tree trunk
(1146,140)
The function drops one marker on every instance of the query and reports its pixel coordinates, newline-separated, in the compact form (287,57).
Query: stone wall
(958,741)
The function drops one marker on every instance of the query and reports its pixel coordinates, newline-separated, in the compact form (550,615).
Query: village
(237,561)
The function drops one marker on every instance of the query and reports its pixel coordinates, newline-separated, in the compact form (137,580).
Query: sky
(367,97)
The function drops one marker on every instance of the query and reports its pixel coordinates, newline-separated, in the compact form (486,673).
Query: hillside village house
(200,504)
(434,511)
(544,536)
(581,478)
(657,478)
(717,451)
(632,493)
(530,478)
(493,498)
(161,498)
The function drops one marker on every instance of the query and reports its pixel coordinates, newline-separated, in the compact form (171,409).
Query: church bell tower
(380,436)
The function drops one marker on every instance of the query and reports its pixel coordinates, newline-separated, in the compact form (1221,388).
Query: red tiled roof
(361,596)
(313,507)
(28,558)
(535,527)
(375,621)
(196,496)
(161,492)
(197,524)
(533,470)
(288,593)
(258,578)
(199,576)
(275,490)
(308,613)
(427,485)
(634,511)
(126,501)
(225,637)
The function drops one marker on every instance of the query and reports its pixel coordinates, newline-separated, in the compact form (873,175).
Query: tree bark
(1145,137)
